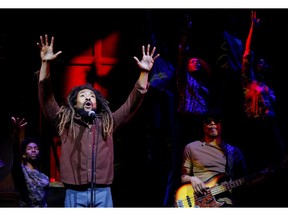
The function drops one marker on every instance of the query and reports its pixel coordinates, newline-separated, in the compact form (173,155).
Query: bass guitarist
(206,163)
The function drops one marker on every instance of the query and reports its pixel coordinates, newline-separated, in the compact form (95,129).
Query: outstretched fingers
(46,40)
(46,43)
(137,60)
(52,41)
(155,57)
(148,49)
(58,53)
(13,119)
(17,121)
(42,41)
(143,50)
(153,51)
(147,53)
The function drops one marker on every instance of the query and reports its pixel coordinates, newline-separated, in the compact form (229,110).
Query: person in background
(261,136)
(195,98)
(210,161)
(31,184)
(85,126)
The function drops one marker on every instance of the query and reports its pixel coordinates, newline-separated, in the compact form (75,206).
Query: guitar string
(226,186)
(218,189)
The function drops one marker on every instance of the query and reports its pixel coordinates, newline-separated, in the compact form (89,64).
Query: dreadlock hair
(67,113)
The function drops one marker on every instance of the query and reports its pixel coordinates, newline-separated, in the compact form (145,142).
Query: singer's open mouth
(88,104)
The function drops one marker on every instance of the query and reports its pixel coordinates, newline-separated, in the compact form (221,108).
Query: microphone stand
(94,153)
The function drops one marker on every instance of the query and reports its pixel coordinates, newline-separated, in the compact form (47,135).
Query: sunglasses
(209,120)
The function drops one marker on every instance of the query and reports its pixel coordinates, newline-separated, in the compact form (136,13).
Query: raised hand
(254,18)
(18,123)
(147,61)
(46,50)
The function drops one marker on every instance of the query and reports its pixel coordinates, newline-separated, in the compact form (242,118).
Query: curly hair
(27,141)
(67,113)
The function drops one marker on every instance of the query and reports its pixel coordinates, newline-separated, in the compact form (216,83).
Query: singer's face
(86,100)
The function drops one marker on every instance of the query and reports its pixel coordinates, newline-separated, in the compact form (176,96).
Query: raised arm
(135,98)
(184,50)
(17,132)
(247,62)
(17,135)
(145,65)
(254,22)
(45,91)
(47,55)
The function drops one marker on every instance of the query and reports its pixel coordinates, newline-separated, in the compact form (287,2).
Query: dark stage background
(139,179)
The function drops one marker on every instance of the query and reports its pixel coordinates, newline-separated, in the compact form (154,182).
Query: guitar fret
(226,186)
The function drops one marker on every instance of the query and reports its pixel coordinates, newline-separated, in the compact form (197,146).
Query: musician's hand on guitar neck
(198,186)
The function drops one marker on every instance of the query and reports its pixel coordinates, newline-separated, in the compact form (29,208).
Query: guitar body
(186,198)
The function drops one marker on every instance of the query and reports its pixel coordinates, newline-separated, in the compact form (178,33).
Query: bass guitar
(186,198)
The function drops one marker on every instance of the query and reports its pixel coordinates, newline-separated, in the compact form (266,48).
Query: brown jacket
(76,154)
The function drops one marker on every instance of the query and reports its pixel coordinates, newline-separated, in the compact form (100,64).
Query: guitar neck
(217,189)
(227,186)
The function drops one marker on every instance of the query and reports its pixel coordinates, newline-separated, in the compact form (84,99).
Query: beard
(84,114)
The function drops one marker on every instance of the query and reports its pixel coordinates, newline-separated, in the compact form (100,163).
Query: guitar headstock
(279,167)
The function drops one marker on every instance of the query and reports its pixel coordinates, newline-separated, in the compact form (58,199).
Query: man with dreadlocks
(85,126)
